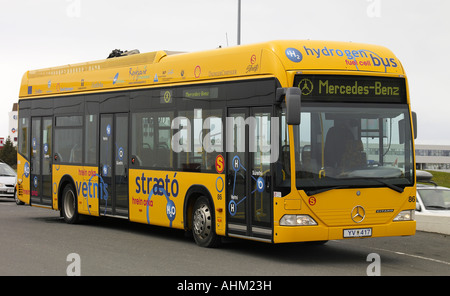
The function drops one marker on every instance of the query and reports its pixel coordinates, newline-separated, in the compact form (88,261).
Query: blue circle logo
(294,55)
(232,207)
(219,184)
(236,163)
(260,184)
(171,210)
(120,153)
(26,169)
(105,170)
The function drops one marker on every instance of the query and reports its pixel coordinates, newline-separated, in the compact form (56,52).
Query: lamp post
(239,23)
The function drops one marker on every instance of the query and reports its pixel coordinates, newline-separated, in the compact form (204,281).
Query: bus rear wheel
(69,205)
(203,225)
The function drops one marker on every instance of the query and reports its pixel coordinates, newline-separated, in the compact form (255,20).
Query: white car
(8,179)
(431,199)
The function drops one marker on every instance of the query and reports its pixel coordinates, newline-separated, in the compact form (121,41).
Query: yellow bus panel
(86,184)
(158,197)
(23,179)
(164,67)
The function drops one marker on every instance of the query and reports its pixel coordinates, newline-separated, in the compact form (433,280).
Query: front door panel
(249,197)
(41,161)
(114,163)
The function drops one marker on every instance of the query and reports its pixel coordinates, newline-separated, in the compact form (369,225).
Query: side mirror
(293,102)
(414,119)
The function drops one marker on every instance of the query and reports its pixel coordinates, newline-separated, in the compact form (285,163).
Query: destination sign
(351,88)
(201,93)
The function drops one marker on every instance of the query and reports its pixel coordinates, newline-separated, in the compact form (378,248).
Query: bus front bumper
(289,234)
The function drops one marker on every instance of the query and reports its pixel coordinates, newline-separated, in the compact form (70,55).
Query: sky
(38,34)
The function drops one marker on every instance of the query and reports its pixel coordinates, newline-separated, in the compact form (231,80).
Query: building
(13,124)
(433,157)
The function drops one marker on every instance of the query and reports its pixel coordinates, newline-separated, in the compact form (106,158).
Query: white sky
(44,33)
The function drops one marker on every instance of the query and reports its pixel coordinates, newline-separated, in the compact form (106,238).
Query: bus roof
(163,67)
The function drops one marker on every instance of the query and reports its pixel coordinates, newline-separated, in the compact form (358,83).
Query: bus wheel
(203,224)
(69,205)
(18,201)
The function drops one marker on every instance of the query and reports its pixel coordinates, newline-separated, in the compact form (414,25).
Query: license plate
(358,232)
(10,191)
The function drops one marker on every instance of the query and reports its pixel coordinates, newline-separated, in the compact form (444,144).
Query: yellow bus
(283,141)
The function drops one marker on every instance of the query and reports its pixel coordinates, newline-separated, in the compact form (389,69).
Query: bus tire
(69,205)
(203,225)
(17,200)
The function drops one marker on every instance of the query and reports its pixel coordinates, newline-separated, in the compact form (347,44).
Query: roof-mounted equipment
(117,53)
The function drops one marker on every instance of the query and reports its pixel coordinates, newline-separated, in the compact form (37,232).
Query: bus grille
(19,189)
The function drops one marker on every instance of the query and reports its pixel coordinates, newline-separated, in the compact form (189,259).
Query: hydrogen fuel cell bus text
(283,141)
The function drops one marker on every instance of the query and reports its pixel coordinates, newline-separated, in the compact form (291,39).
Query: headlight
(297,220)
(407,215)
(2,185)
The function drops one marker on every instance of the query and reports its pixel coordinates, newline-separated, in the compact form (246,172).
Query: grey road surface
(36,241)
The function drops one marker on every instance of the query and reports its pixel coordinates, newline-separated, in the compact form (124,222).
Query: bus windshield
(353,146)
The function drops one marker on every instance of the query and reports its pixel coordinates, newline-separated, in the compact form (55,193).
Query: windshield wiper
(391,186)
(321,190)
(437,207)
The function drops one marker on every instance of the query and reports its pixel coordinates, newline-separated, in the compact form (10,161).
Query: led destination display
(351,88)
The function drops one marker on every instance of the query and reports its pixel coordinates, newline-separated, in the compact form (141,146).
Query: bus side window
(90,150)
(23,136)
(151,135)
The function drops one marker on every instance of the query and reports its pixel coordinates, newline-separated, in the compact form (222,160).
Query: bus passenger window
(69,139)
(23,136)
(163,145)
(151,136)
(90,149)
(68,145)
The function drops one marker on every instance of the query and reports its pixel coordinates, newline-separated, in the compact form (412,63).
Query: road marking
(405,254)
(416,256)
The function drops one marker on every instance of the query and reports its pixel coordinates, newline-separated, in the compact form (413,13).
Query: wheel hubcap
(202,222)
(69,204)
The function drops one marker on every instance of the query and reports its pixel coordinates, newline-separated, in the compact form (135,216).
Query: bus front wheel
(203,225)
(69,205)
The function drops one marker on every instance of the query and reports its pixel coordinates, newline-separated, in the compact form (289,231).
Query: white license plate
(10,191)
(358,232)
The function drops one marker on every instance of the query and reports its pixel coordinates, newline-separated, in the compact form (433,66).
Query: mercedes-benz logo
(358,214)
(306,86)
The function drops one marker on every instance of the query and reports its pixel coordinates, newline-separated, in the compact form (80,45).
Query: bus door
(249,190)
(41,161)
(113,166)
